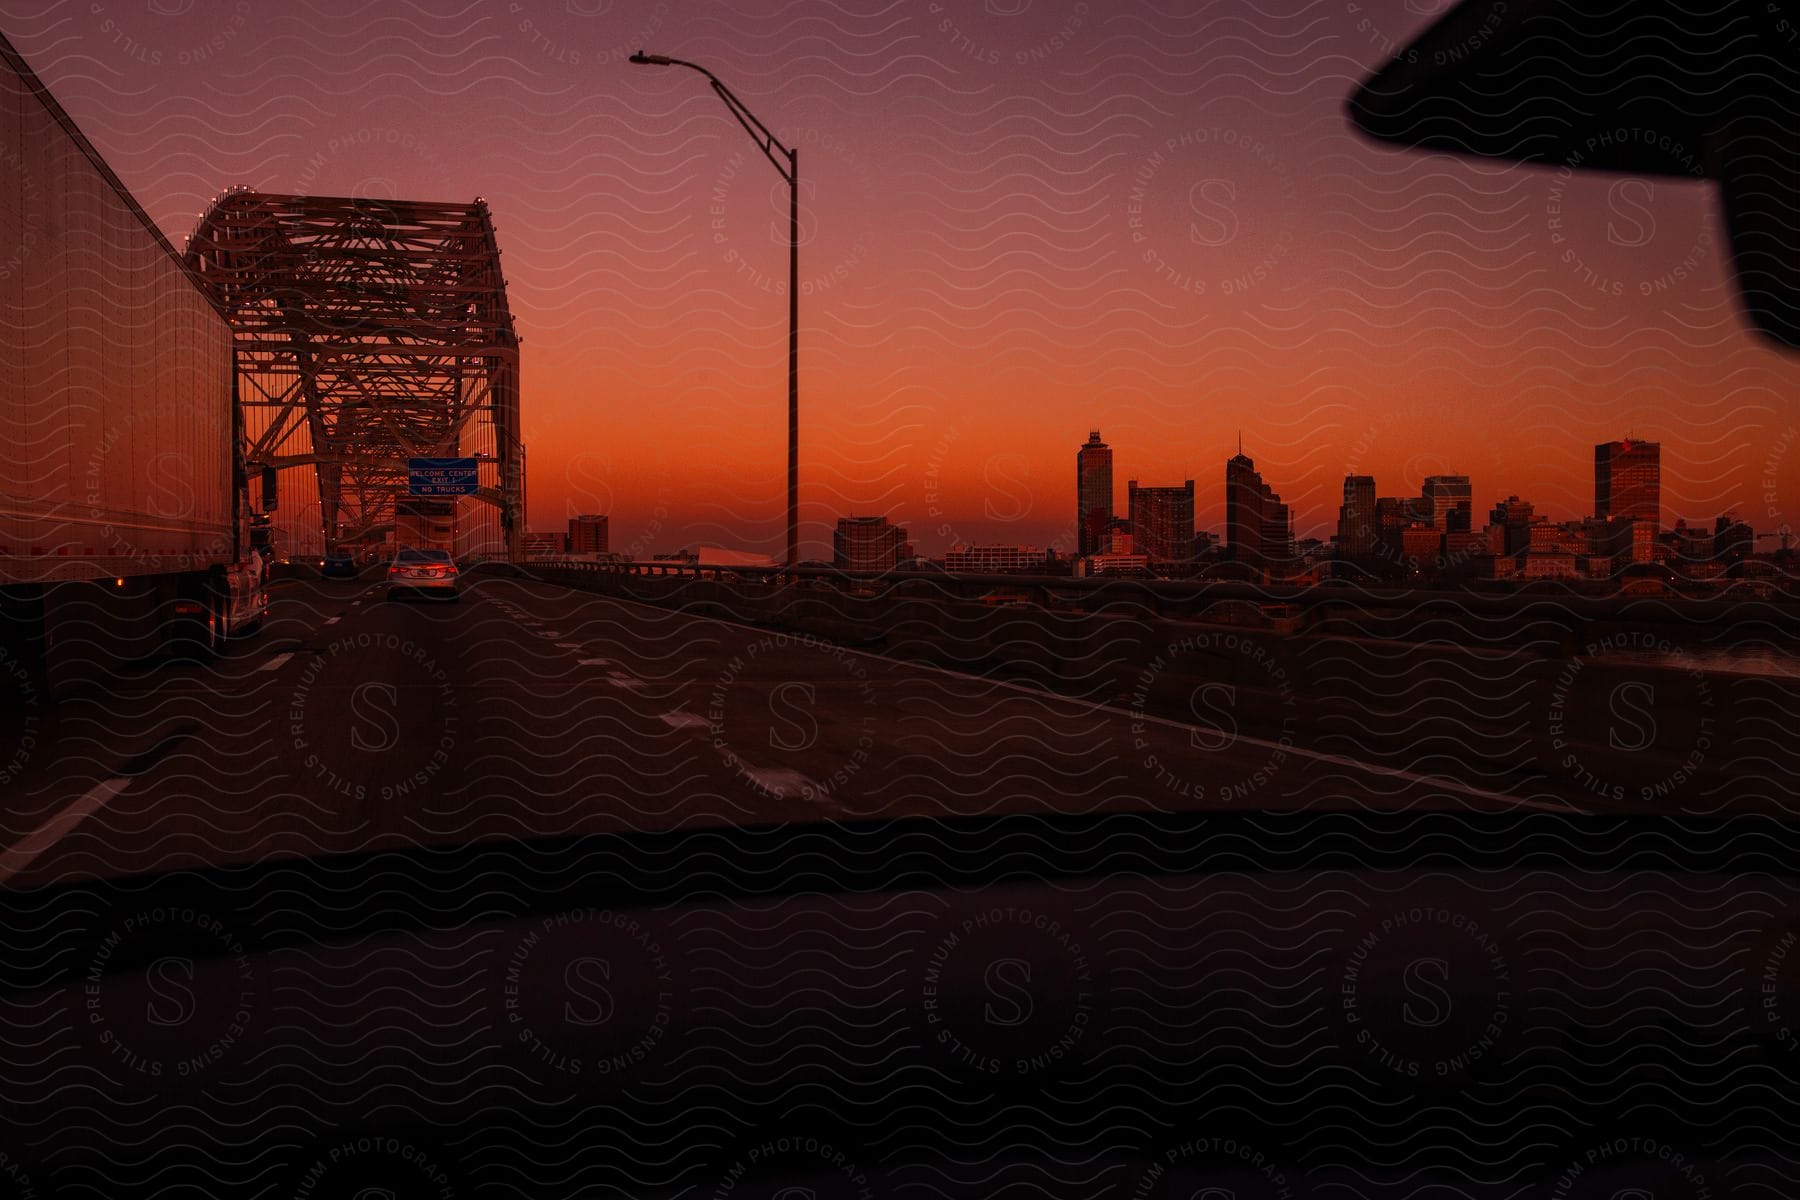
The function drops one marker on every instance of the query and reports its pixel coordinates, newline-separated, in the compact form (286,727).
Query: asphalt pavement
(353,722)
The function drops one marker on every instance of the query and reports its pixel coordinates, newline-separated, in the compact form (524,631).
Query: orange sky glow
(1019,222)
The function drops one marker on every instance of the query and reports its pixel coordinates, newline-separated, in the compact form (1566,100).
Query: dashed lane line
(26,851)
(1439,782)
(276,663)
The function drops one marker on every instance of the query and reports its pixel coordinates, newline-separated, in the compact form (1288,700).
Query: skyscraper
(1356,517)
(1628,481)
(867,544)
(1447,502)
(1162,521)
(1093,493)
(1258,528)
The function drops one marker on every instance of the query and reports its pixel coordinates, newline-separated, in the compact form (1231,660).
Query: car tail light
(188,608)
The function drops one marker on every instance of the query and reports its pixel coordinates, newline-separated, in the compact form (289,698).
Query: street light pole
(786,162)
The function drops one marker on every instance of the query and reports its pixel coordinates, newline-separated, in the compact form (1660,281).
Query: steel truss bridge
(368,332)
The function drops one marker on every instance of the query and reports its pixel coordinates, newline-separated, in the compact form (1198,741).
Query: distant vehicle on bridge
(422,572)
(338,564)
(131,531)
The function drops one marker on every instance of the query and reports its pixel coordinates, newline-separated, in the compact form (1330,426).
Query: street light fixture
(786,162)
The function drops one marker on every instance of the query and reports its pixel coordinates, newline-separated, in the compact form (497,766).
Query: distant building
(1162,522)
(587,535)
(1117,537)
(1421,544)
(1461,545)
(1629,541)
(1258,528)
(1515,516)
(541,546)
(1393,514)
(1446,502)
(996,560)
(868,544)
(1567,538)
(1093,493)
(721,556)
(1691,543)
(1112,564)
(1356,517)
(1548,566)
(1628,481)
(1733,541)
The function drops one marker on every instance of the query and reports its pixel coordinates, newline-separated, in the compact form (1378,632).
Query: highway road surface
(526,709)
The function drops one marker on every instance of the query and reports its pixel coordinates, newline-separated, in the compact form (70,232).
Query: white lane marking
(595,662)
(685,720)
(21,855)
(1320,756)
(275,663)
(568,645)
(625,681)
(549,633)
(333,620)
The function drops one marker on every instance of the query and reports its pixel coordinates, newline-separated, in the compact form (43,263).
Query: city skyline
(1354,309)
(1440,495)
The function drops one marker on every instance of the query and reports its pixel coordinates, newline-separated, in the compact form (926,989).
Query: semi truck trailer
(126,526)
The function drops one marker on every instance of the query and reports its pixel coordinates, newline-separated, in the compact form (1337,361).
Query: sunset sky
(1022,219)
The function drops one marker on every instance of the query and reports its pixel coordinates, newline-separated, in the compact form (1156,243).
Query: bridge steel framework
(368,332)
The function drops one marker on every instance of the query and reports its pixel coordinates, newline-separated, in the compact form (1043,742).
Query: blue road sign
(440,476)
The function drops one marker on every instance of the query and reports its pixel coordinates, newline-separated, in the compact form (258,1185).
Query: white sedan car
(422,572)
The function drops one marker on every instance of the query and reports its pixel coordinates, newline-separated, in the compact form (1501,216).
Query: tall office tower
(1446,502)
(1243,507)
(587,535)
(1258,528)
(1356,517)
(1628,481)
(1162,521)
(867,544)
(1093,493)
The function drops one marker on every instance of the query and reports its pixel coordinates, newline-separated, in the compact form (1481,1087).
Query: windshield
(1148,600)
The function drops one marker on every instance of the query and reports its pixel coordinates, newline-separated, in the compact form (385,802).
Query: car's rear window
(414,556)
